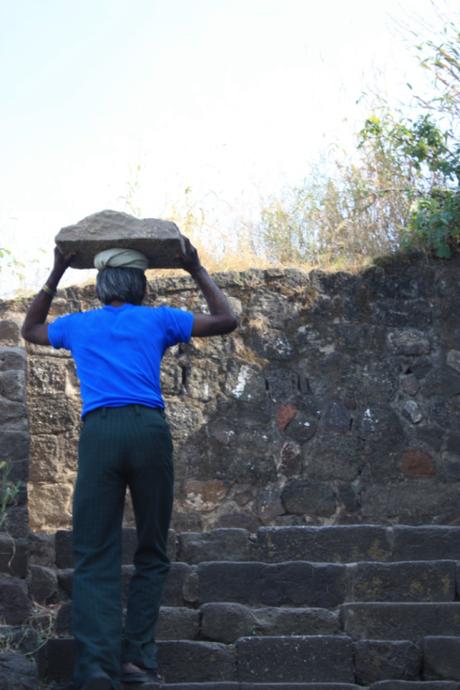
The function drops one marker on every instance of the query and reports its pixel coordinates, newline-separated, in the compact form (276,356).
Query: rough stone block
(19,472)
(425,543)
(41,549)
(63,548)
(441,658)
(12,358)
(283,584)
(15,605)
(17,522)
(17,671)
(14,445)
(424,501)
(420,581)
(339,543)
(295,621)
(308,497)
(183,661)
(409,341)
(65,577)
(400,621)
(223,544)
(13,415)
(226,622)
(56,659)
(43,585)
(159,240)
(9,332)
(295,659)
(177,623)
(60,417)
(441,381)
(46,454)
(13,555)
(19,637)
(12,385)
(378,660)
(47,375)
(176,589)
(50,504)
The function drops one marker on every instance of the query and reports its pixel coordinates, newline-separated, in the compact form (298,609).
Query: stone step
(256,662)
(330,544)
(226,622)
(322,659)
(299,583)
(224,685)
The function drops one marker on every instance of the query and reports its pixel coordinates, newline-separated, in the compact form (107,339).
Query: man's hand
(61,261)
(34,328)
(189,259)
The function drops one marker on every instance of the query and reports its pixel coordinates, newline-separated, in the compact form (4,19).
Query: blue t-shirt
(118,351)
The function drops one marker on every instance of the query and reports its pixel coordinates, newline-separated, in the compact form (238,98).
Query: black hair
(123,284)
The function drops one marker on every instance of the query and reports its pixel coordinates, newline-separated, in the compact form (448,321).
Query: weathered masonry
(336,401)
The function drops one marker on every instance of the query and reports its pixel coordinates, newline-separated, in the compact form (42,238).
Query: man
(124,441)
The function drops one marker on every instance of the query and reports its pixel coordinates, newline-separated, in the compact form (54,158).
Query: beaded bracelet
(48,290)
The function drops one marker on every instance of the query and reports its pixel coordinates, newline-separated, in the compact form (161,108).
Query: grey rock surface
(159,240)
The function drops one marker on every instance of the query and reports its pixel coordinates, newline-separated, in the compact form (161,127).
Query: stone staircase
(339,607)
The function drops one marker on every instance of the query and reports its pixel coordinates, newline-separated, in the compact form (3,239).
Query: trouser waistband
(136,408)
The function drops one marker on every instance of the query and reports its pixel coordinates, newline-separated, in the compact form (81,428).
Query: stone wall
(336,401)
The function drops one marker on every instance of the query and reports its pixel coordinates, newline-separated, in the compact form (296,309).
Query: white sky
(233,98)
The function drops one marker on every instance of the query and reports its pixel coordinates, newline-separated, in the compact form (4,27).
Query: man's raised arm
(221,319)
(34,329)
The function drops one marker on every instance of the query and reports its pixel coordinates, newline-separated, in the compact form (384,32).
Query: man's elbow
(24,332)
(231,324)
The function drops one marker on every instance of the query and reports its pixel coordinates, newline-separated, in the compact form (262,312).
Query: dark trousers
(119,447)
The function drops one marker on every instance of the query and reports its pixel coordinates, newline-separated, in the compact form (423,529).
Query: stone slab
(377,660)
(184,661)
(322,659)
(295,583)
(222,544)
(441,658)
(159,240)
(227,622)
(413,543)
(403,621)
(338,543)
(404,581)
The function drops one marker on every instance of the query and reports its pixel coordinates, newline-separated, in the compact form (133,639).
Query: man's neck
(116,303)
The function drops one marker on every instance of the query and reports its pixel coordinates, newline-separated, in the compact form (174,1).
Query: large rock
(15,605)
(159,240)
(17,672)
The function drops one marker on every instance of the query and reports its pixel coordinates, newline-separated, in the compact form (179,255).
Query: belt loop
(104,412)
